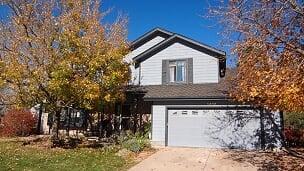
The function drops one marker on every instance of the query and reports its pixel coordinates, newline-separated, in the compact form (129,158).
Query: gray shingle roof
(188,91)
(210,90)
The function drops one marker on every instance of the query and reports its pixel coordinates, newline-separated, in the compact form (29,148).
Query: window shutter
(165,72)
(190,70)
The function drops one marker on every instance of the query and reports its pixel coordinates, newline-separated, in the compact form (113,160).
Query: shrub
(294,129)
(294,120)
(294,137)
(134,142)
(18,123)
(147,129)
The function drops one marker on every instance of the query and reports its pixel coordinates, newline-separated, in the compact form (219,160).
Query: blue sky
(180,16)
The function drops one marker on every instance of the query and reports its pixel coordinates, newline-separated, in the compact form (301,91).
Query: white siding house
(205,67)
(144,47)
(159,124)
(137,51)
(184,81)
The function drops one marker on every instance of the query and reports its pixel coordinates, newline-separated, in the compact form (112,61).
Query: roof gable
(171,38)
(149,36)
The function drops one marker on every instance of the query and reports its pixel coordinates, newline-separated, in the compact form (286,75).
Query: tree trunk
(262,134)
(39,119)
(277,128)
(141,130)
(69,121)
(283,129)
(55,127)
(99,125)
(135,123)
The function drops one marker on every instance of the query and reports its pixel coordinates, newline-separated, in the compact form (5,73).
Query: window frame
(176,71)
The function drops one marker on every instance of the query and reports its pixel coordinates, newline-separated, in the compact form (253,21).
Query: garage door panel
(212,128)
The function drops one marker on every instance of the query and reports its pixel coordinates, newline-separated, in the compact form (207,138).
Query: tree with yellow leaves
(267,37)
(58,52)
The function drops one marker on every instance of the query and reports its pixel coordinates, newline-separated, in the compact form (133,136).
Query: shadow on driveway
(269,161)
(183,159)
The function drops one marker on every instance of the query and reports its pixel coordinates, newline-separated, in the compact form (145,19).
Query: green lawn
(14,156)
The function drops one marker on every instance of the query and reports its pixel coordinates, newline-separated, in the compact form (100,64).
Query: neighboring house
(184,82)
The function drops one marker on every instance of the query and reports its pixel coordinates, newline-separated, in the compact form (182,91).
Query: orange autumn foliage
(268,42)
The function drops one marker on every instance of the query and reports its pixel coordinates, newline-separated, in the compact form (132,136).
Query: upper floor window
(177,71)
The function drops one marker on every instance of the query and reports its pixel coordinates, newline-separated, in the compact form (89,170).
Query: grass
(15,156)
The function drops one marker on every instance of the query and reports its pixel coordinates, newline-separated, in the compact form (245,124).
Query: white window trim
(175,65)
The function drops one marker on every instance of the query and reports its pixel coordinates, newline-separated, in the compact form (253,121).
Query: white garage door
(213,128)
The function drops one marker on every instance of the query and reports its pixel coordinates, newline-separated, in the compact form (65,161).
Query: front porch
(133,115)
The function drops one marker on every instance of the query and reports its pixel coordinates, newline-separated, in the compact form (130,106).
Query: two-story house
(190,106)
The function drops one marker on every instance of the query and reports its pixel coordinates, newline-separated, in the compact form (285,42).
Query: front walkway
(183,159)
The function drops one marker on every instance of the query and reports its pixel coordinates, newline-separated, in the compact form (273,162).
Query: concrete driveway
(182,159)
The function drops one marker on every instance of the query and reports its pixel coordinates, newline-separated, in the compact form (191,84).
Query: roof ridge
(162,32)
(156,47)
(199,42)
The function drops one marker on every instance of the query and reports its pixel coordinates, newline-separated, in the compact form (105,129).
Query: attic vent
(240,112)
(184,112)
(194,112)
